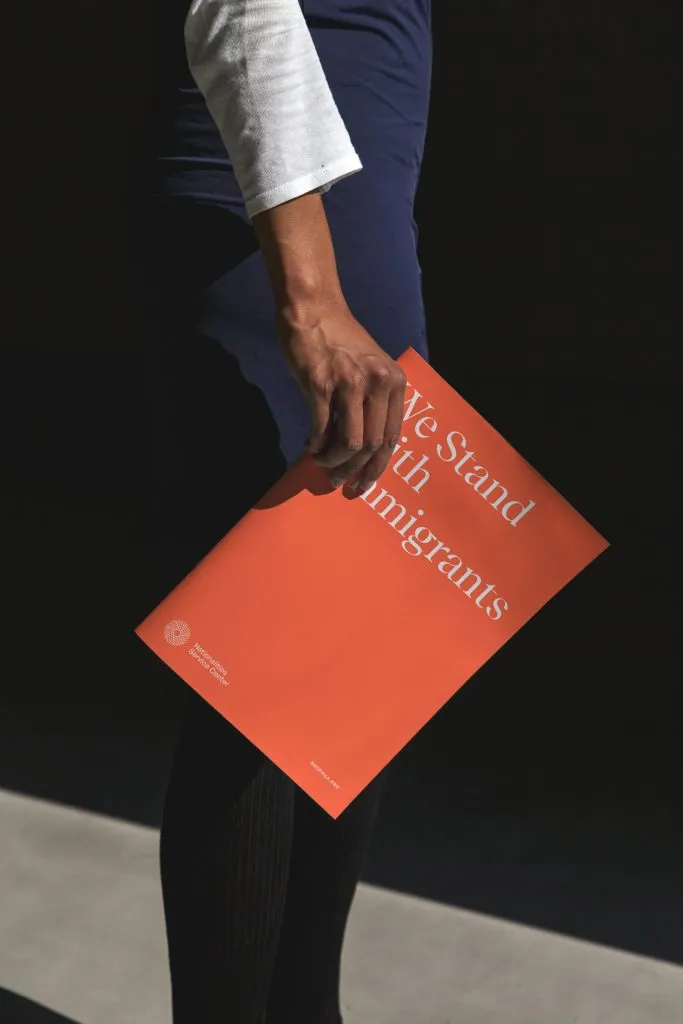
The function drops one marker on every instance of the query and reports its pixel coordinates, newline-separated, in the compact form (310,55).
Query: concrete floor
(82,942)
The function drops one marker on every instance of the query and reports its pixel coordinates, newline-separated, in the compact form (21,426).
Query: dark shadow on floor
(546,792)
(16,1009)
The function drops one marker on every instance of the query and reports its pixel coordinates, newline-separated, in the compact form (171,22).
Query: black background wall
(547,248)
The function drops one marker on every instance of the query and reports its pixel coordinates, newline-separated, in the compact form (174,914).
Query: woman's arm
(257,67)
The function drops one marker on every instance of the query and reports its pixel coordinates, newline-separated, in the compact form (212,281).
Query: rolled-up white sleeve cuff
(317,181)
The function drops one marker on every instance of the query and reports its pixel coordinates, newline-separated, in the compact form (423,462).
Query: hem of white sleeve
(321,180)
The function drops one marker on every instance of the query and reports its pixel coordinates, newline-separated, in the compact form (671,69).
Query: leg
(225,858)
(326,863)
(229,812)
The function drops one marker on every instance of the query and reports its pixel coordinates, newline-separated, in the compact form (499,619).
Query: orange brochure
(330,626)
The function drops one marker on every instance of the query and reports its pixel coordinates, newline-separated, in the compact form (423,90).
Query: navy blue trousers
(257,880)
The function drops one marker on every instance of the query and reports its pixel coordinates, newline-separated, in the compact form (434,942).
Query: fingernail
(337,481)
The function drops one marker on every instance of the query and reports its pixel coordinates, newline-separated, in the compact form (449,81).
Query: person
(275,248)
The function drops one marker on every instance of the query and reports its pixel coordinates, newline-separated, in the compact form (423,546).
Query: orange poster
(329,626)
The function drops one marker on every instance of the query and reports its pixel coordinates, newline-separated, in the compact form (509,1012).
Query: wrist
(304,309)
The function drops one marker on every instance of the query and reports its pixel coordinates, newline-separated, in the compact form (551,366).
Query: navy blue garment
(377,58)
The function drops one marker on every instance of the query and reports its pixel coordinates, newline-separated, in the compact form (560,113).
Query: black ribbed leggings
(257,879)
(258,882)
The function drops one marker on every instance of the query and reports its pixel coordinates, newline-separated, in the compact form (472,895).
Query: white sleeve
(258,70)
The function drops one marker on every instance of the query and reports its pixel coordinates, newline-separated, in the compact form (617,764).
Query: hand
(356,392)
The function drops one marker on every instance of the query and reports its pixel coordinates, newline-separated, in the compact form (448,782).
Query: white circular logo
(176,633)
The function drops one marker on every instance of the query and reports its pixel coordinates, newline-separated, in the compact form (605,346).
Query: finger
(374,426)
(347,436)
(393,422)
(320,404)
(374,421)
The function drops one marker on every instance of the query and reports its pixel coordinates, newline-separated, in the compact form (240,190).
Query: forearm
(297,247)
